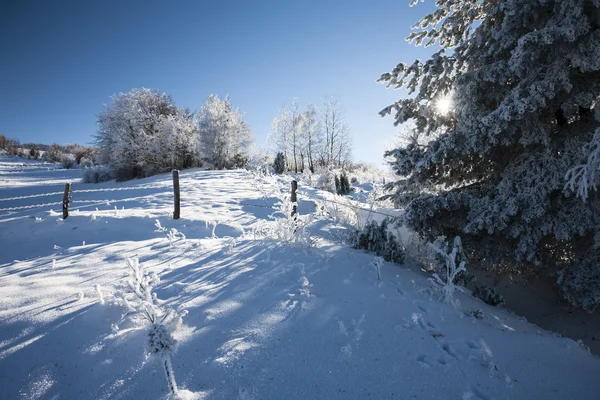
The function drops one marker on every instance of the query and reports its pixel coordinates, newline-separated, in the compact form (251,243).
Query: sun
(444,104)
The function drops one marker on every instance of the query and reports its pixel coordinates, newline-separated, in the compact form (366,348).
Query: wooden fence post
(65,205)
(294,198)
(177,195)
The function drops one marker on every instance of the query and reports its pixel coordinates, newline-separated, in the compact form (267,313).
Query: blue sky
(62,60)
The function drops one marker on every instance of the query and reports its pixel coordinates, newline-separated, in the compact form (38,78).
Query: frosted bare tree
(287,135)
(224,135)
(312,135)
(338,141)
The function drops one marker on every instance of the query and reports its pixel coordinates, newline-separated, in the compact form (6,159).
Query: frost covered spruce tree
(505,142)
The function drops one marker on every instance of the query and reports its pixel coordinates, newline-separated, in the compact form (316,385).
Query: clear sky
(60,61)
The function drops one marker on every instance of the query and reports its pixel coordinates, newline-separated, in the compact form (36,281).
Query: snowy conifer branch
(582,178)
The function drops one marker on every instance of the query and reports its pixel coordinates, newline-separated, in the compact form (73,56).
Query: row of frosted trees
(143,132)
(313,137)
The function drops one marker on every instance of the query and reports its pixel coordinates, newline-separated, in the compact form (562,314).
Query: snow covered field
(265,320)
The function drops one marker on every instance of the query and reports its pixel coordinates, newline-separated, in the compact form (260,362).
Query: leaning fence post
(65,204)
(177,195)
(294,198)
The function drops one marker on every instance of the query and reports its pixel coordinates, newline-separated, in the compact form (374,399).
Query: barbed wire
(306,197)
(117,189)
(347,205)
(105,201)
(33,196)
(31,206)
(255,205)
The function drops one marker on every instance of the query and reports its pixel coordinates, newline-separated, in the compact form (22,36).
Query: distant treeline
(69,155)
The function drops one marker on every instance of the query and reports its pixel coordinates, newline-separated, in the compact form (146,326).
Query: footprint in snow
(348,279)
(481,354)
(423,309)
(475,394)
(342,328)
(442,361)
(347,350)
(244,394)
(422,361)
(353,332)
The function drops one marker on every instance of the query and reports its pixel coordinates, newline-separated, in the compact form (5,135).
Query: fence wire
(303,196)
(28,207)
(306,197)
(32,196)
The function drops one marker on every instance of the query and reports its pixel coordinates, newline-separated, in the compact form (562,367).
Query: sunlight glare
(444,105)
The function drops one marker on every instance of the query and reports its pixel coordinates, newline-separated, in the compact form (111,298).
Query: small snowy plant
(172,234)
(290,228)
(452,269)
(230,244)
(100,295)
(377,263)
(144,308)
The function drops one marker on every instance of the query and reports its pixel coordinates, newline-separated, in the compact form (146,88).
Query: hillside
(265,319)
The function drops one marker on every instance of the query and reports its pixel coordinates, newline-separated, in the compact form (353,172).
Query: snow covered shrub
(144,308)
(502,113)
(80,152)
(53,154)
(67,160)
(285,227)
(488,295)
(376,237)
(279,163)
(239,160)
(86,162)
(360,172)
(288,228)
(326,181)
(97,174)
(258,160)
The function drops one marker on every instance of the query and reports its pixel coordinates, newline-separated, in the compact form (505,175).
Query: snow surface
(266,320)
